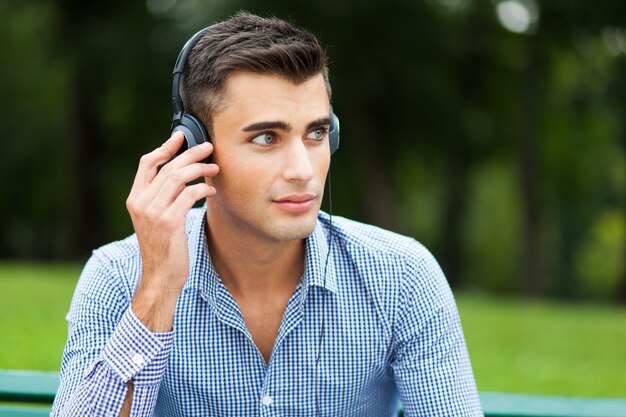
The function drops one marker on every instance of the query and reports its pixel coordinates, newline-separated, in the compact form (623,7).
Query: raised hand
(158,203)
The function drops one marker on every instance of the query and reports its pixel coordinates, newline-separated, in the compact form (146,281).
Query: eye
(264,139)
(318,134)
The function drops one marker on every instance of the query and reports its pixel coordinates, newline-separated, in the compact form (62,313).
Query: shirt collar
(202,274)
(204,278)
(317,250)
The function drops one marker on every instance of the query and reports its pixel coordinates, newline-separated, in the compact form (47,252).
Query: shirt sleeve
(430,363)
(107,347)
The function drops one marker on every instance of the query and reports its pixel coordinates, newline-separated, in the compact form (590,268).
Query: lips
(297,198)
(296,203)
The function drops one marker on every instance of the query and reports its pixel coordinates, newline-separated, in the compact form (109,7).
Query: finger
(149,163)
(188,197)
(176,181)
(190,156)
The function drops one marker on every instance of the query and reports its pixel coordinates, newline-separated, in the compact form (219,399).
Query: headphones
(193,129)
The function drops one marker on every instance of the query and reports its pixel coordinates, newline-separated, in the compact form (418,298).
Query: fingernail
(204,145)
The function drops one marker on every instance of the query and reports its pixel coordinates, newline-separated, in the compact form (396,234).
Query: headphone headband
(177,100)
(193,129)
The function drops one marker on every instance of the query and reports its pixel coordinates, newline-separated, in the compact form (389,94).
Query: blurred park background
(492,131)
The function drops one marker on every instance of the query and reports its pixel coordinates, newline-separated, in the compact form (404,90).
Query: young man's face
(271,144)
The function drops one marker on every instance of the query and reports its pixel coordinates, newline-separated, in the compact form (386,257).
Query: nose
(298,166)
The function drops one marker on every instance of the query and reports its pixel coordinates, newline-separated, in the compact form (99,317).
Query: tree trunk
(84,218)
(85,145)
(532,274)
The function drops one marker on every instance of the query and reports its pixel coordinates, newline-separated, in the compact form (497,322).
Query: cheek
(323,164)
(241,178)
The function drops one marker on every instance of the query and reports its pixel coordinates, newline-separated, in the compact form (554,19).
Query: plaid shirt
(391,332)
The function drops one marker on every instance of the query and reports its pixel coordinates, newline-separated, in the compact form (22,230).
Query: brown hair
(247,42)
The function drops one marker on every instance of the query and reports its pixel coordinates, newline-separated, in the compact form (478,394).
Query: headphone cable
(323,324)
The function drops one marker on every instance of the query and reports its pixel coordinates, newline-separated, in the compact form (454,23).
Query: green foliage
(601,259)
(492,230)
(420,200)
(504,153)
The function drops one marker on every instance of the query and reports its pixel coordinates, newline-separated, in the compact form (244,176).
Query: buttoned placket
(291,319)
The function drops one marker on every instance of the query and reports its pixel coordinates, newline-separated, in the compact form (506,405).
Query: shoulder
(373,241)
(390,260)
(110,273)
(397,270)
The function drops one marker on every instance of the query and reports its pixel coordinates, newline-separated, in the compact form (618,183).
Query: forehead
(249,95)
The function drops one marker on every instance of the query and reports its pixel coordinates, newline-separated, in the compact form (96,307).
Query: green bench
(30,394)
(27,393)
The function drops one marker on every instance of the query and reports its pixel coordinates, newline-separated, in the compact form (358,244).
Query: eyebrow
(280,125)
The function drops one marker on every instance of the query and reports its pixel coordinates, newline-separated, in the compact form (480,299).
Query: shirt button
(137,359)
(267,400)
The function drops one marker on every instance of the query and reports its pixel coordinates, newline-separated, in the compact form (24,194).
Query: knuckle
(130,204)
(164,222)
(165,169)
(176,176)
(203,190)
(158,218)
(191,192)
(195,192)
(134,205)
(146,159)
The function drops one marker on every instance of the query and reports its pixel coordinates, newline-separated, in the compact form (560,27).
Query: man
(258,303)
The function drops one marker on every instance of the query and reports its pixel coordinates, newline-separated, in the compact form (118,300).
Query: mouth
(296,203)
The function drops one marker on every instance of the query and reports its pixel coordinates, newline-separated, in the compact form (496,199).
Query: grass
(34,299)
(537,347)
(542,347)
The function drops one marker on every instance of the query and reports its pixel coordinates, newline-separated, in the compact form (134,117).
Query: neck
(250,265)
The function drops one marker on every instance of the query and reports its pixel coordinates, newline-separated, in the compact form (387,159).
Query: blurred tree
(106,50)
(32,89)
(503,150)
(617,97)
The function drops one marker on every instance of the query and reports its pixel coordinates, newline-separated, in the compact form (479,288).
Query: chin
(295,229)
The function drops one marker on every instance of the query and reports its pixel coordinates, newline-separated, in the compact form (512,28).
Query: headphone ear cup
(194,131)
(333,131)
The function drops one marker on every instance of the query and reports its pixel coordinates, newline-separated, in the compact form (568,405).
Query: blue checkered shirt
(391,332)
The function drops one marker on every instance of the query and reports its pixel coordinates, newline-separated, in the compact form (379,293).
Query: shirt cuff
(134,352)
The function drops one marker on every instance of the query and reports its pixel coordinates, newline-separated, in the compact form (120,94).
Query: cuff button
(137,359)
